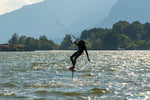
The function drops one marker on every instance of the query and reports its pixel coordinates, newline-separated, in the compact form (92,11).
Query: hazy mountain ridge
(128,10)
(39,19)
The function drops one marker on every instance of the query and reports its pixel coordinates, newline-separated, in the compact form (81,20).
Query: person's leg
(74,62)
(76,56)
(72,57)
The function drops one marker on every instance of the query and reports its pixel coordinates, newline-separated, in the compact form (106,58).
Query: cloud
(11,5)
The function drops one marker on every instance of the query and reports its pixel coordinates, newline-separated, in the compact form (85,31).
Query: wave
(13,96)
(9,85)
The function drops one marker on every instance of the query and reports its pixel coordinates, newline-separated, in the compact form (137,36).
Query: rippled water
(43,75)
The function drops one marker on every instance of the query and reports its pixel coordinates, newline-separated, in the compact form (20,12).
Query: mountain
(128,10)
(49,17)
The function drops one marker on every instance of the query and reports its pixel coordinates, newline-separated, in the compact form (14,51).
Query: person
(81,47)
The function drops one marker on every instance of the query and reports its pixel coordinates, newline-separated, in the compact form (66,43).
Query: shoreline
(7,47)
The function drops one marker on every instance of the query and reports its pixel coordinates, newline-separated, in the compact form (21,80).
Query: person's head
(81,42)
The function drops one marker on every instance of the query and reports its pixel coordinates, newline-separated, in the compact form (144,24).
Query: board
(72,72)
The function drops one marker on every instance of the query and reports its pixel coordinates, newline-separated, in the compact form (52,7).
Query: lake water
(43,75)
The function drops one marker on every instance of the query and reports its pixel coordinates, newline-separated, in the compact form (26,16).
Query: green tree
(110,40)
(29,42)
(124,41)
(121,27)
(66,44)
(132,46)
(22,39)
(43,38)
(14,39)
(141,45)
(135,30)
(146,36)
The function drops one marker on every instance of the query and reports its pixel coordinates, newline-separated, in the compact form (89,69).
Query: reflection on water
(43,75)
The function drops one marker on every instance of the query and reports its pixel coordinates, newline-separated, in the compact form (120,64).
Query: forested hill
(123,35)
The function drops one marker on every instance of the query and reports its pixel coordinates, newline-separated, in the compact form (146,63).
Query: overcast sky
(11,5)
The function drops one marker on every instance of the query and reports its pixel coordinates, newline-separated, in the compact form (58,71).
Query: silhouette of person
(81,48)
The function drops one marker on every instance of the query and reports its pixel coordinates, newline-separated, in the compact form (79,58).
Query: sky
(7,6)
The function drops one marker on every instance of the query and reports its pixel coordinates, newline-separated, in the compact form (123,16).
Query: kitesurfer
(81,47)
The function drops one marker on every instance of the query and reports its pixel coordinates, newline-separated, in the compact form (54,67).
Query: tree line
(33,44)
(125,35)
(122,35)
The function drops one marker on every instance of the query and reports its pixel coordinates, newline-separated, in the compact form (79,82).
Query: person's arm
(87,54)
(73,42)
